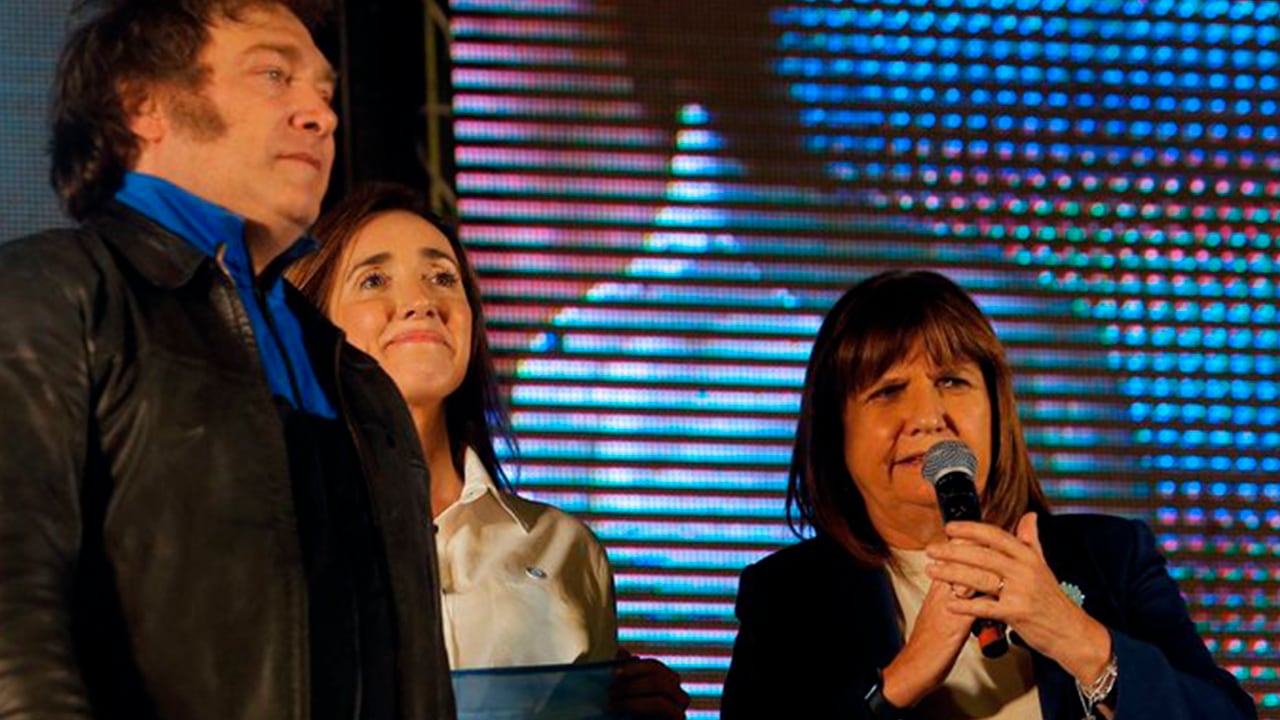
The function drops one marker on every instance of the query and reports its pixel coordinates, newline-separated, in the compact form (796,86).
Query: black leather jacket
(149,554)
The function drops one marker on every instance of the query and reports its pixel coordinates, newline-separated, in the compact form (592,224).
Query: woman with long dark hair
(524,584)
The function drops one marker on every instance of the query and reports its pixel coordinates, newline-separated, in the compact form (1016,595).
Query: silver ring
(1000,587)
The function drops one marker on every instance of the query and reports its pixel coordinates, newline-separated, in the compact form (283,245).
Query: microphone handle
(991,637)
(958,500)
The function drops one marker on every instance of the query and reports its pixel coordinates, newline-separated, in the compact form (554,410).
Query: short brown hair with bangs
(872,327)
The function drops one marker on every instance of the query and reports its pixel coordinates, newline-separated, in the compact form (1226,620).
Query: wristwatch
(879,707)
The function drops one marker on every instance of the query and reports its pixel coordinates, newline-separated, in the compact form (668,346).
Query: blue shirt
(214,230)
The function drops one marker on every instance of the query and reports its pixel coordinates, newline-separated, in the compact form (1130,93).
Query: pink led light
(470,131)
(526,55)
(579,159)
(498,28)
(552,81)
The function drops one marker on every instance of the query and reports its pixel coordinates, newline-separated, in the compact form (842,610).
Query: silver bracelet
(1099,689)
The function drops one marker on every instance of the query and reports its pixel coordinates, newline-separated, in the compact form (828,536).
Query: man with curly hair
(210,506)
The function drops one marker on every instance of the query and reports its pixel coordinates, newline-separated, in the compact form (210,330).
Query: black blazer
(814,627)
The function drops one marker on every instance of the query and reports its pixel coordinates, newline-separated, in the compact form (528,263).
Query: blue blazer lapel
(879,602)
(869,628)
(861,612)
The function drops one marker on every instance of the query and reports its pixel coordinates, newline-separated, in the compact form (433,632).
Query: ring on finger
(1000,586)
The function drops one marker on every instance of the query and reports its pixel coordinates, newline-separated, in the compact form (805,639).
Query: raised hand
(926,658)
(1020,590)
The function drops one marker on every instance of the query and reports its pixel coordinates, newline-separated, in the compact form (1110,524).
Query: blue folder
(538,692)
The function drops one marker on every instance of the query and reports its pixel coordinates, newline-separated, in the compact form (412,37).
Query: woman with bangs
(1080,619)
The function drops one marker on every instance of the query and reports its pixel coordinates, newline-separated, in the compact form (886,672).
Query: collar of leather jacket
(161,257)
(168,261)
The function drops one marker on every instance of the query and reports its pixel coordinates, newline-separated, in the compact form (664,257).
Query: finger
(653,707)
(982,606)
(935,624)
(965,576)
(977,556)
(647,678)
(648,688)
(939,592)
(645,668)
(990,536)
(1029,532)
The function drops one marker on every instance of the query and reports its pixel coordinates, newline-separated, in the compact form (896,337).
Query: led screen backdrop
(30,35)
(664,198)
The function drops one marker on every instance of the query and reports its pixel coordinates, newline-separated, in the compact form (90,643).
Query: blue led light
(674,612)
(1113,158)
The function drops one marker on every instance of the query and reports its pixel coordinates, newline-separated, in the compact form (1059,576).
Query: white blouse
(1003,688)
(523,583)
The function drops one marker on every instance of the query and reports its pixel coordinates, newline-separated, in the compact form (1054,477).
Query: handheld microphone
(950,467)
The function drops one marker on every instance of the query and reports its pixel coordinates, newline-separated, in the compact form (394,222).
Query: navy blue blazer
(814,627)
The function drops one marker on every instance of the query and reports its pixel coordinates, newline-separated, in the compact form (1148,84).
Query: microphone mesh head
(947,457)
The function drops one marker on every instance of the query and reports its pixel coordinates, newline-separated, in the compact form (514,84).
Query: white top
(523,583)
(977,687)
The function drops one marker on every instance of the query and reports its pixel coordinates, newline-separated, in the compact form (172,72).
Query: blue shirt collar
(203,224)
(219,234)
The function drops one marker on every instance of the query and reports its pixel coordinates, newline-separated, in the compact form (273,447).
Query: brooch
(1073,592)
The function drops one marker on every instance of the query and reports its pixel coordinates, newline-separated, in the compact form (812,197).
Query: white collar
(477,483)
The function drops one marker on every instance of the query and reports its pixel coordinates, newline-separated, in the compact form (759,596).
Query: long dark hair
(109,64)
(475,413)
(873,326)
